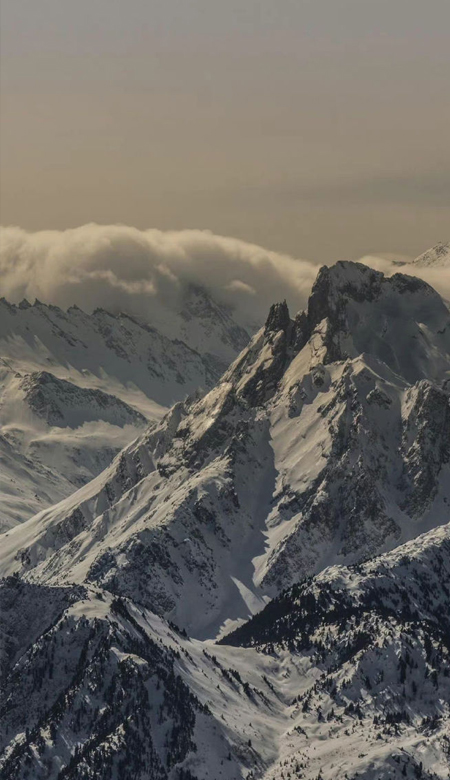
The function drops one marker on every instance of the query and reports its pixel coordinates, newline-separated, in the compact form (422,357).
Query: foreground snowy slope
(327,441)
(76,388)
(345,675)
(373,642)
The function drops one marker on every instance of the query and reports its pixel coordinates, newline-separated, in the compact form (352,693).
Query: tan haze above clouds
(318,128)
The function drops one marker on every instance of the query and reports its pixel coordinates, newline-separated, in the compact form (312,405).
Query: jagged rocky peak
(348,281)
(400,320)
(330,463)
(278,318)
(352,310)
(325,444)
(256,373)
(354,280)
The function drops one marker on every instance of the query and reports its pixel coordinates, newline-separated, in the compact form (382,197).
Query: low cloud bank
(121,268)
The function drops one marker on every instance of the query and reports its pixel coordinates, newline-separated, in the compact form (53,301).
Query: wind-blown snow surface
(325,443)
(76,388)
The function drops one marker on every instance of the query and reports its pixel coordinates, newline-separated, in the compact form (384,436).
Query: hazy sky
(315,127)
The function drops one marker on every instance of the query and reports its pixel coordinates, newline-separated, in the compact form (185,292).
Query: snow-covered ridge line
(436,257)
(373,641)
(63,404)
(75,388)
(326,441)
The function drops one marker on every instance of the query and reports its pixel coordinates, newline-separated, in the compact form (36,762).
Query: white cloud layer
(122,268)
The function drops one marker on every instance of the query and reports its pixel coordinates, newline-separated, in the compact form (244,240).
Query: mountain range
(256,586)
(75,388)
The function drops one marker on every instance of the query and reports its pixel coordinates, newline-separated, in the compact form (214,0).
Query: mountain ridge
(436,257)
(257,587)
(98,379)
(299,415)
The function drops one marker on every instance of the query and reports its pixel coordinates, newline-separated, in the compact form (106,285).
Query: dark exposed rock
(278,318)
(426,445)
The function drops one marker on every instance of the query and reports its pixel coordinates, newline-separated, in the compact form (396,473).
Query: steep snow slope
(76,388)
(436,257)
(206,325)
(41,465)
(106,691)
(55,437)
(327,441)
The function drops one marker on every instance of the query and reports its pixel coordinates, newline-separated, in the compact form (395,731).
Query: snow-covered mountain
(345,675)
(76,388)
(104,351)
(327,441)
(209,327)
(373,646)
(309,488)
(436,257)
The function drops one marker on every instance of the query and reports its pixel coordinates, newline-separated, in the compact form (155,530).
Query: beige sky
(315,128)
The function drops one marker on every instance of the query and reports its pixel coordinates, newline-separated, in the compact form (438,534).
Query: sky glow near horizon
(317,129)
